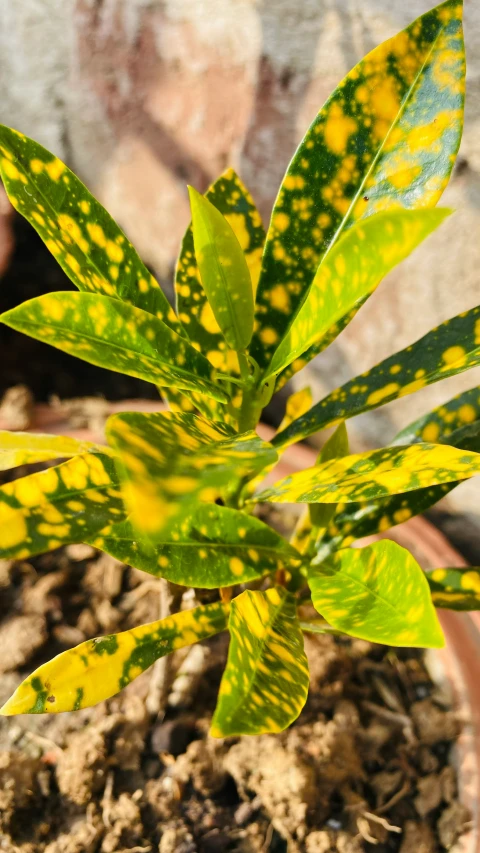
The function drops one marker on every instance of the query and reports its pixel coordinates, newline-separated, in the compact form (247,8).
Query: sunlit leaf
(265,683)
(447,350)
(386,138)
(462,410)
(349,274)
(23,448)
(57,506)
(78,231)
(356,520)
(297,404)
(117,336)
(375,474)
(97,669)
(213,546)
(378,593)
(455,589)
(232,199)
(223,271)
(171,460)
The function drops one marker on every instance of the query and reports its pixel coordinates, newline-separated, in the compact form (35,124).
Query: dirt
(366,767)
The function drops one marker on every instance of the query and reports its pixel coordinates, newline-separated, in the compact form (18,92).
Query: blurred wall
(144,96)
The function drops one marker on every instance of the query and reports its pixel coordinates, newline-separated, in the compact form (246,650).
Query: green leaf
(349,274)
(462,410)
(445,351)
(378,593)
(375,474)
(356,520)
(97,669)
(78,231)
(265,683)
(455,589)
(117,336)
(57,506)
(386,138)
(172,460)
(23,448)
(223,271)
(232,199)
(213,546)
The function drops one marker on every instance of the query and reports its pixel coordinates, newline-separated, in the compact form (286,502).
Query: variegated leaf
(354,521)
(223,272)
(386,138)
(265,683)
(462,410)
(375,474)
(232,199)
(171,460)
(97,669)
(78,231)
(447,350)
(60,505)
(115,335)
(24,448)
(455,589)
(348,275)
(378,593)
(213,546)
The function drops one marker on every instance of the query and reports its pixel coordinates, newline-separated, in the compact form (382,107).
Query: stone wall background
(142,96)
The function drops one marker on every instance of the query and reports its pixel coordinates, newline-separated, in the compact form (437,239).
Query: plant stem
(163,673)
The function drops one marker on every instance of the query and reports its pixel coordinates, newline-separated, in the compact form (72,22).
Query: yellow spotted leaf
(115,335)
(84,239)
(375,474)
(170,460)
(99,668)
(451,348)
(385,139)
(213,546)
(438,425)
(223,271)
(357,520)
(60,505)
(350,272)
(455,589)
(23,448)
(378,593)
(265,683)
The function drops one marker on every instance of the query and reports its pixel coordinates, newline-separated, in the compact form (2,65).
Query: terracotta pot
(454,668)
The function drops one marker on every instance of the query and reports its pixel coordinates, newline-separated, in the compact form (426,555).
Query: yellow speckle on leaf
(338,129)
(471,581)
(382,393)
(114,252)
(279,298)
(467,414)
(268,336)
(236,566)
(55,168)
(96,233)
(454,355)
(431,432)
(281,221)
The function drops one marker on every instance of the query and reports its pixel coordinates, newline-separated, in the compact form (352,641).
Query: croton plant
(175,493)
